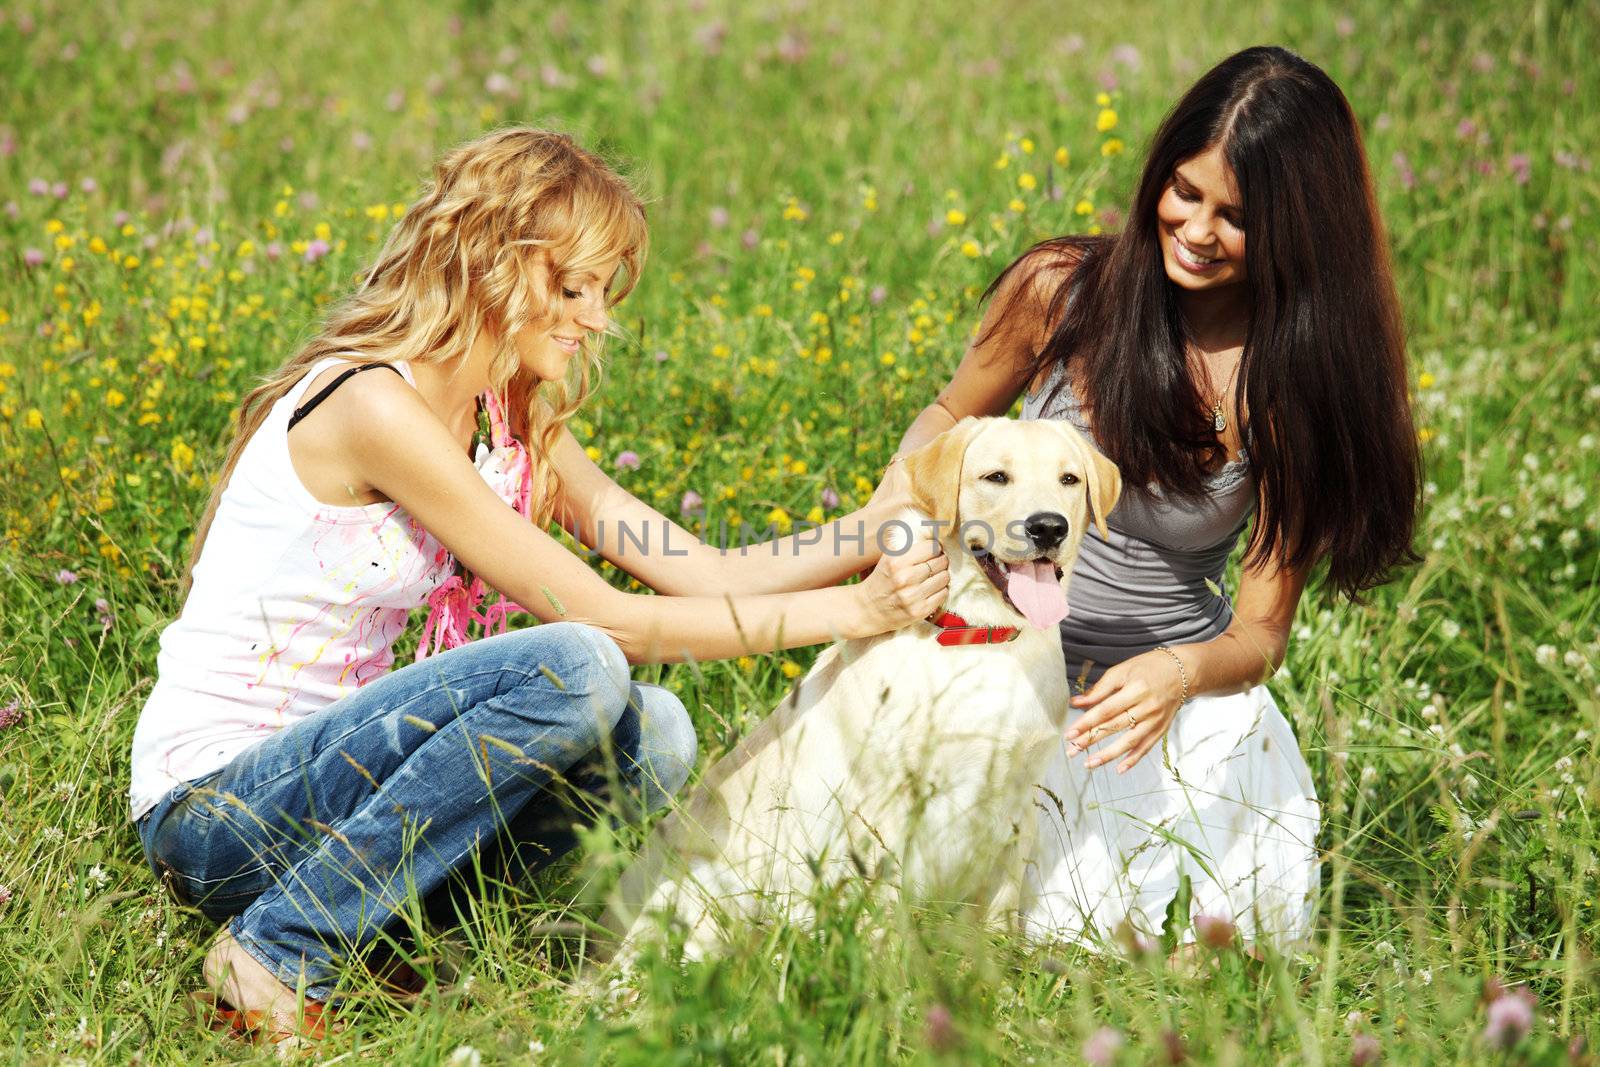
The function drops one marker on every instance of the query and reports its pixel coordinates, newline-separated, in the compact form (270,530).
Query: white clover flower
(1449,629)
(1545,655)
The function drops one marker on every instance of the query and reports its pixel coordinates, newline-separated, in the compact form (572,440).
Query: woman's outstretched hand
(1133,704)
(905,587)
(894,490)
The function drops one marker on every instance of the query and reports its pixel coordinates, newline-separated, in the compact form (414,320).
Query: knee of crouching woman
(667,746)
(602,674)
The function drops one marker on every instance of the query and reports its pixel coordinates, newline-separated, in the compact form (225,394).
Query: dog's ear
(935,470)
(1105,487)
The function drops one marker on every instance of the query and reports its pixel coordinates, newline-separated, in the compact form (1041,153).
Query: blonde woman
(284,778)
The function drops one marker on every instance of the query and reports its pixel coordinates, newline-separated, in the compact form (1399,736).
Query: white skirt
(1226,799)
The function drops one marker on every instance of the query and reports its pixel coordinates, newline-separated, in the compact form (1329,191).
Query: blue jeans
(313,841)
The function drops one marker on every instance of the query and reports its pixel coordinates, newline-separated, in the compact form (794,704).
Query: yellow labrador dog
(911,756)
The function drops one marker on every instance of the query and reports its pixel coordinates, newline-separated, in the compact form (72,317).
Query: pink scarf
(456,605)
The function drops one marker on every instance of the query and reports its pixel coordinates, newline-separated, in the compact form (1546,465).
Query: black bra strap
(305,409)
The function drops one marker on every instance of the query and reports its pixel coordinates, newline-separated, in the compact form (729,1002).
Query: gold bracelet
(1183,672)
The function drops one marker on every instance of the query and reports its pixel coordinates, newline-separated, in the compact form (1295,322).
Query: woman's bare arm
(424,471)
(669,559)
(994,370)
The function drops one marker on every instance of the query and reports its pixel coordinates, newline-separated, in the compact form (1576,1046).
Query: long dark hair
(1323,374)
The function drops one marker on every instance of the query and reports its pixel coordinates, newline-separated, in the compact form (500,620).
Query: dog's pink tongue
(1034,591)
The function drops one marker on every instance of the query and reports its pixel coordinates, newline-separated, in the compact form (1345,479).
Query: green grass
(1450,721)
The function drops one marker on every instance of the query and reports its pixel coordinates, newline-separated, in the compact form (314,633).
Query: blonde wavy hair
(463,258)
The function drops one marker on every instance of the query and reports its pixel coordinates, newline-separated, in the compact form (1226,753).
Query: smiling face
(1018,497)
(580,309)
(1200,219)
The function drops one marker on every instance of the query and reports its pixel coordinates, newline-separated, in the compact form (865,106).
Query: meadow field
(832,186)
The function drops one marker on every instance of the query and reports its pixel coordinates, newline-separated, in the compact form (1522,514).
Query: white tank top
(295,603)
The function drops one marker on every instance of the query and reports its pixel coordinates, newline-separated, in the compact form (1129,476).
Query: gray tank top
(1146,585)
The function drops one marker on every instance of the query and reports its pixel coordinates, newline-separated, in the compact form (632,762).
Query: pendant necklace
(1219,420)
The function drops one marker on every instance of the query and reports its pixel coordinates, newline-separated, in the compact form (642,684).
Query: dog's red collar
(954,630)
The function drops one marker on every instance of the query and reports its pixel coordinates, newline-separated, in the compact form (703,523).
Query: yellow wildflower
(54,226)
(1017,205)
(1084,207)
(1027,181)
(182,455)
(1026,145)
(791,669)
(1106,121)
(1112,147)
(1062,156)
(35,419)
(1425,380)
(1102,99)
(970,249)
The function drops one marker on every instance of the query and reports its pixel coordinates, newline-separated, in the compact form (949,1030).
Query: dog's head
(1016,497)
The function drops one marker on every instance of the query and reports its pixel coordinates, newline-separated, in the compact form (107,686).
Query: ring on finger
(1132,722)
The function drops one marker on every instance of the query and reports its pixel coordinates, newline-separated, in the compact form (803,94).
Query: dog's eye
(1069,479)
(998,477)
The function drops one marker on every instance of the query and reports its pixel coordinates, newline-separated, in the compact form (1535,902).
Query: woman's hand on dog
(906,587)
(894,491)
(1131,708)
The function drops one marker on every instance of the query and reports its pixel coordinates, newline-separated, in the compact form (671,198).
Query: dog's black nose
(1046,529)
